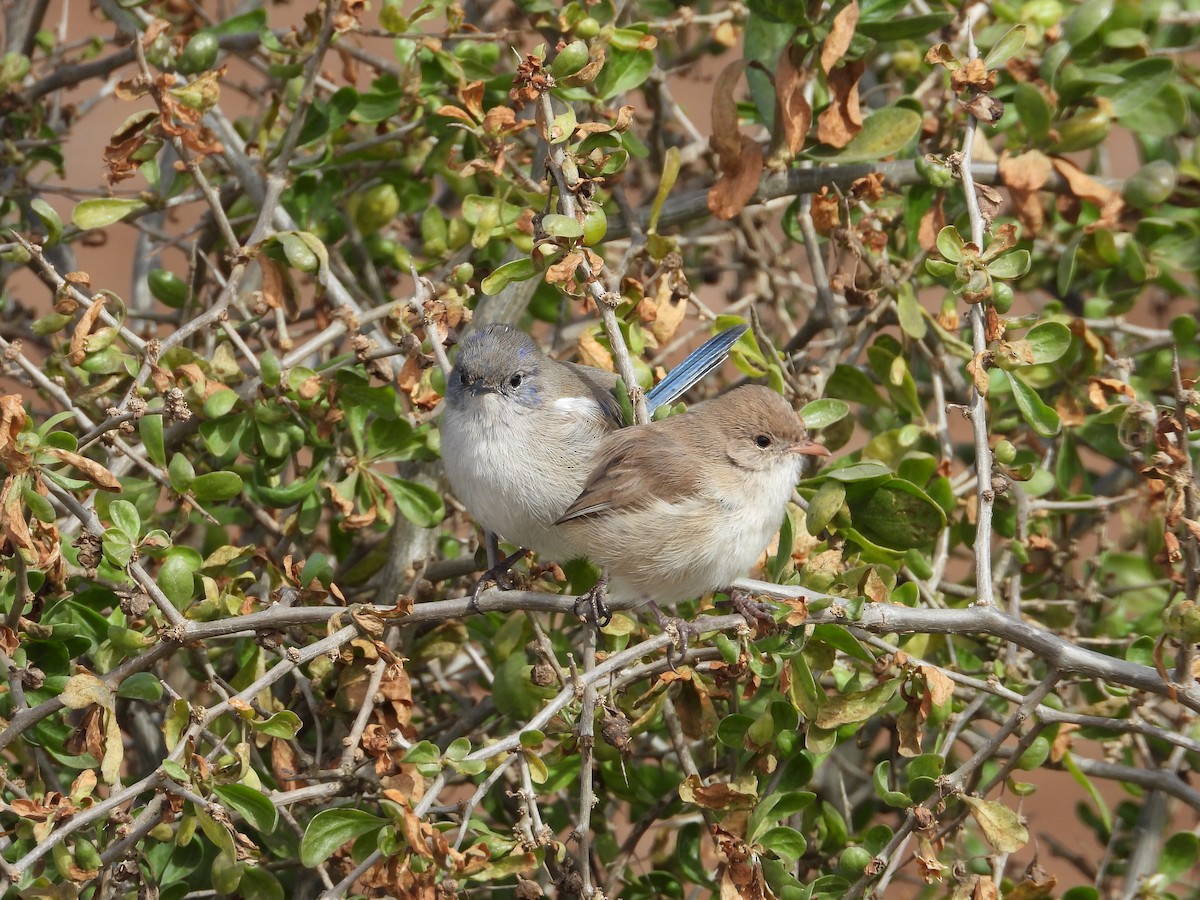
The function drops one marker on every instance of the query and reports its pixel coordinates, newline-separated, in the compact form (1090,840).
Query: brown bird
(683,506)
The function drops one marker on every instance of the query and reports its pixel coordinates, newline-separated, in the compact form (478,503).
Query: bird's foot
(680,632)
(497,575)
(590,606)
(758,615)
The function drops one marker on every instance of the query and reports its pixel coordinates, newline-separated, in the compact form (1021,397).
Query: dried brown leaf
(841,120)
(726,139)
(89,468)
(1082,185)
(83,328)
(841,33)
(738,183)
(793,113)
(12,420)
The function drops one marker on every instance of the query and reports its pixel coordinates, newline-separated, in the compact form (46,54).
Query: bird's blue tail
(699,363)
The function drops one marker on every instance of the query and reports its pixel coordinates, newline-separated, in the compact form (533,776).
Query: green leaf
(880,779)
(175,771)
(863,471)
(418,503)
(1086,20)
(13,67)
(1049,341)
(1179,855)
(950,244)
(285,725)
(1010,265)
(885,132)
(1086,783)
(857,706)
(927,765)
(259,882)
(1042,418)
(786,12)
(897,515)
(176,576)
(762,41)
(671,168)
(623,71)
(822,413)
(247,23)
(1034,110)
(1140,83)
(731,731)
(561,226)
(150,428)
(1006,48)
(908,310)
(49,218)
(824,505)
(125,518)
(220,402)
(42,509)
(905,27)
(459,749)
(141,686)
(254,806)
(1163,115)
(853,384)
(332,828)
(422,752)
(297,251)
(102,211)
(217,486)
(1000,825)
(840,639)
(939,268)
(517,270)
(786,843)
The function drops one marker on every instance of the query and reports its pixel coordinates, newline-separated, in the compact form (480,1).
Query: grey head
(497,359)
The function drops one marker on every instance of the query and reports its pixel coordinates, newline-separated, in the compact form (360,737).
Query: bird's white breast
(672,550)
(517,468)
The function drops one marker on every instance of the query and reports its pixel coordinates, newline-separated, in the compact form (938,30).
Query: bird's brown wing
(637,465)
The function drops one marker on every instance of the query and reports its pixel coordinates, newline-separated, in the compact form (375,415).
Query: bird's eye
(763,441)
(515,381)
(462,377)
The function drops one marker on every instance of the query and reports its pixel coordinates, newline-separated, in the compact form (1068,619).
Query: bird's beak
(809,448)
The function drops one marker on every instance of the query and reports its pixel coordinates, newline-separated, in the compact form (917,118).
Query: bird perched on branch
(683,506)
(520,430)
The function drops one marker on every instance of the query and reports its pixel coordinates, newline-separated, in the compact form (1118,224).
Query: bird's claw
(758,615)
(497,575)
(679,631)
(590,606)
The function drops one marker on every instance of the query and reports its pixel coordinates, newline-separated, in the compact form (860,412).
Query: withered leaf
(89,468)
(841,33)
(793,112)
(738,183)
(841,120)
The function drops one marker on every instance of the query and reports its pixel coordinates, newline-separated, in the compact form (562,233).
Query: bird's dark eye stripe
(763,441)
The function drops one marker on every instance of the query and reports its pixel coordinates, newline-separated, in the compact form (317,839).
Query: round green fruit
(595,226)
(199,54)
(377,206)
(167,288)
(1150,185)
(1002,297)
(570,59)
(854,862)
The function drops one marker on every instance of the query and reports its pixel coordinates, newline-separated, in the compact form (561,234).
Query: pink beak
(809,448)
